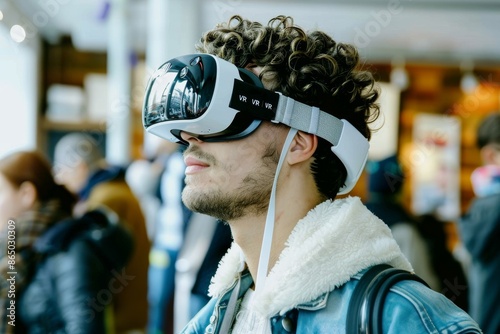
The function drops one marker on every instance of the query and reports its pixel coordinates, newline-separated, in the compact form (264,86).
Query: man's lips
(194,165)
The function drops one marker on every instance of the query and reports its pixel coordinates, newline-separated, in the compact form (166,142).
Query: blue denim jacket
(309,288)
(410,307)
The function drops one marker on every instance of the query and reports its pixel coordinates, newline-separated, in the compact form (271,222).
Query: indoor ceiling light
(17,33)
(399,75)
(469,82)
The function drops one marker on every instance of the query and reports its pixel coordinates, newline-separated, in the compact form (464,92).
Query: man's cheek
(231,173)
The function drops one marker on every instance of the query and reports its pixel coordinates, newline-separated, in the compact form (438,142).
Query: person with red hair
(55,268)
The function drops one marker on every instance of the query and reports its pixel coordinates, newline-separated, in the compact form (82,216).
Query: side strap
(364,314)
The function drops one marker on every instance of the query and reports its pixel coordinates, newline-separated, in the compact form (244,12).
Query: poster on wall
(435,166)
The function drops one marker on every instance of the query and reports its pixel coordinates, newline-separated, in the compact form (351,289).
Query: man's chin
(190,196)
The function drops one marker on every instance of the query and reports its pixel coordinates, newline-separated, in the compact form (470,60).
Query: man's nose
(189,138)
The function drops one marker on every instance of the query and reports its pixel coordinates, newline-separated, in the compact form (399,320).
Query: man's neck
(248,231)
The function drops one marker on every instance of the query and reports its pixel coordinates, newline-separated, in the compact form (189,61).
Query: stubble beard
(250,198)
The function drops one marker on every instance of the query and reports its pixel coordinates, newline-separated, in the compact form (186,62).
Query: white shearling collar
(333,242)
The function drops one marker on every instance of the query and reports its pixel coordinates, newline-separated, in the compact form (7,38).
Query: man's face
(229,180)
(73,176)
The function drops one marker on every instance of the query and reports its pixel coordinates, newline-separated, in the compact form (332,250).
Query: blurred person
(59,265)
(422,239)
(168,236)
(143,176)
(479,229)
(446,264)
(385,181)
(271,166)
(80,166)
(206,241)
(219,245)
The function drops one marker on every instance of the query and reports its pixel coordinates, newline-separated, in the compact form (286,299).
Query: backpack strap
(364,314)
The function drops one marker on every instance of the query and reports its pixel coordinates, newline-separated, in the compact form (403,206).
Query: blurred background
(81,65)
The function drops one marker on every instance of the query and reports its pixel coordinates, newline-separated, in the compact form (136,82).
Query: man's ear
(302,148)
(28,194)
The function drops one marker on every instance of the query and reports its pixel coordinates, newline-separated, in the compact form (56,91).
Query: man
(263,163)
(80,165)
(480,229)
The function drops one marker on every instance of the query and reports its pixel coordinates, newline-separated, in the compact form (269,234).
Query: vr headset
(214,100)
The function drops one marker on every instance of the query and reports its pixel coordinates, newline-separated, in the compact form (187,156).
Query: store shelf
(76,125)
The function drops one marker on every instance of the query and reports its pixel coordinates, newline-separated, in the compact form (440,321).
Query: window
(19,75)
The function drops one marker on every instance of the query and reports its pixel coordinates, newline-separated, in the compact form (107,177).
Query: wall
(63,64)
(19,83)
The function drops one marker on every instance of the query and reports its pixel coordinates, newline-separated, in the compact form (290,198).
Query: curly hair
(309,67)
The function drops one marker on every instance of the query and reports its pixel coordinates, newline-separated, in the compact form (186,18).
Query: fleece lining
(332,243)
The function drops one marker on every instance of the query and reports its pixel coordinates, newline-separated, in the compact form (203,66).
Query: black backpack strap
(364,314)
(355,323)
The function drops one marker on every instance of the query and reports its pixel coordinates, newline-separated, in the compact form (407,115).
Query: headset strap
(273,106)
(308,119)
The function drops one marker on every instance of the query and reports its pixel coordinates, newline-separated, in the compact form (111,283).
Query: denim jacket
(410,307)
(309,288)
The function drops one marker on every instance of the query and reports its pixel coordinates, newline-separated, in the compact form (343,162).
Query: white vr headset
(214,100)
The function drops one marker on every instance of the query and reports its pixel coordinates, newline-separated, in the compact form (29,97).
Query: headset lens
(180,89)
